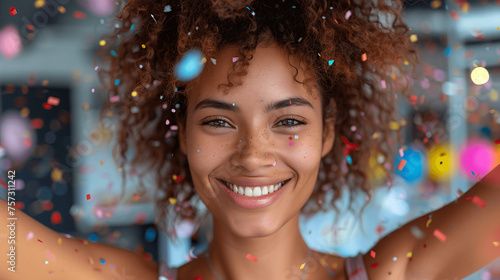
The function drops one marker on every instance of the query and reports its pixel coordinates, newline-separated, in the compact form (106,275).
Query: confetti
(374,265)
(428,222)
(302,265)
(252,258)
(172,200)
(29,235)
(417,232)
(477,200)
(102,43)
(59,241)
(496,243)
(88,196)
(235,58)
(214,61)
(54,101)
(50,255)
(330,62)
(439,235)
(409,254)
(167,9)
(401,164)
(372,253)
(115,98)
(363,57)
(79,15)
(382,84)
(153,18)
(413,38)
(348,14)
(12,11)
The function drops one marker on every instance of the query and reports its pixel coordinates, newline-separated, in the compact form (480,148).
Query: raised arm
(41,253)
(449,243)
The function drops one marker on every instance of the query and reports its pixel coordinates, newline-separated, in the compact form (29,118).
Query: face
(246,141)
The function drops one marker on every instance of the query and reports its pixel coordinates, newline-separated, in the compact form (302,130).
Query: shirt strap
(356,268)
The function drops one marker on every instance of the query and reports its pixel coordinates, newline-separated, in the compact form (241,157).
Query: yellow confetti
(394,125)
(61,9)
(56,175)
(428,223)
(143,46)
(134,93)
(102,42)
(479,76)
(85,242)
(59,241)
(406,62)
(408,255)
(39,3)
(302,265)
(120,169)
(496,243)
(436,4)
(101,162)
(204,59)
(172,200)
(85,106)
(323,262)
(413,38)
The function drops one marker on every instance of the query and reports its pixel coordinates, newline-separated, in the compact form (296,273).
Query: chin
(256,228)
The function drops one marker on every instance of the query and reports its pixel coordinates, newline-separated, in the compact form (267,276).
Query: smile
(254,191)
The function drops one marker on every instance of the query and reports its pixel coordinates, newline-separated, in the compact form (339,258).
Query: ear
(182,137)
(328,131)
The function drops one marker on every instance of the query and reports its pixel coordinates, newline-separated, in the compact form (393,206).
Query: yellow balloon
(442,162)
(480,76)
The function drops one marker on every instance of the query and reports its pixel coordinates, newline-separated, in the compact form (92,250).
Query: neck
(279,255)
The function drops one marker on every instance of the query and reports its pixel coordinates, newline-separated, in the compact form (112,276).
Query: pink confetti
(115,98)
(252,258)
(348,14)
(363,57)
(401,153)
(439,235)
(382,84)
(477,200)
(50,255)
(401,164)
(235,59)
(291,143)
(372,253)
(54,101)
(29,236)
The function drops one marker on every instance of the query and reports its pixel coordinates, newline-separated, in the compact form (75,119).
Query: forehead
(269,74)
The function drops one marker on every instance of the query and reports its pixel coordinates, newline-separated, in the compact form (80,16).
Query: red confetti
(88,196)
(348,146)
(252,258)
(55,218)
(47,106)
(401,164)
(478,201)
(178,179)
(199,277)
(290,102)
(439,235)
(12,11)
(36,123)
(54,101)
(372,253)
(79,15)
(30,27)
(355,272)
(40,241)
(497,142)
(374,265)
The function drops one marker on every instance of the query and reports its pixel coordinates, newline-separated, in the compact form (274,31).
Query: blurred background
(66,178)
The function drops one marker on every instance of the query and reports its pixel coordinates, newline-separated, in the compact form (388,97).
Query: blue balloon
(190,65)
(412,171)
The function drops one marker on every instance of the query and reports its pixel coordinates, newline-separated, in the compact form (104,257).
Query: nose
(254,151)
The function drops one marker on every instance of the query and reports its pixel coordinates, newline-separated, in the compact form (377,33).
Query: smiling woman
(259,134)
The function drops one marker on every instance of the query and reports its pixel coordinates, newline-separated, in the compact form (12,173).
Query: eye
(216,122)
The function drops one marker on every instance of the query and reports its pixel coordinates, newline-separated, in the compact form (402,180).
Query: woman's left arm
(449,243)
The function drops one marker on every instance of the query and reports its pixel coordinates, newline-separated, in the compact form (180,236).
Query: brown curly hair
(360,60)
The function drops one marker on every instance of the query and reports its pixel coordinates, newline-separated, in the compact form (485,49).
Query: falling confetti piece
(79,15)
(172,200)
(59,241)
(417,232)
(439,235)
(496,243)
(167,9)
(428,223)
(39,240)
(54,101)
(115,98)
(12,11)
(348,14)
(55,217)
(235,58)
(374,265)
(50,255)
(372,253)
(330,62)
(29,235)
(477,200)
(382,84)
(252,258)
(413,38)
(302,265)
(88,196)
(363,57)
(401,164)
(408,255)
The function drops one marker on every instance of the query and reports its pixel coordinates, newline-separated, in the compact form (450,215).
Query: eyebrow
(280,104)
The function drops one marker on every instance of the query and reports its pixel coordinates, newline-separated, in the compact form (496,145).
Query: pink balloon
(10,42)
(478,156)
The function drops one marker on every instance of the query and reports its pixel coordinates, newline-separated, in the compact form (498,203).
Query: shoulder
(326,266)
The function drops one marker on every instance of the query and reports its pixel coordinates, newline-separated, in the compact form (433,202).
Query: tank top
(354,266)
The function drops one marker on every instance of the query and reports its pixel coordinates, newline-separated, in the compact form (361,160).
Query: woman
(285,102)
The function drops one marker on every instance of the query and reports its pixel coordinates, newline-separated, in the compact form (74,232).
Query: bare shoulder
(327,266)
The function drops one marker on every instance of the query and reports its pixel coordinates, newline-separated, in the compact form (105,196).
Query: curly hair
(358,57)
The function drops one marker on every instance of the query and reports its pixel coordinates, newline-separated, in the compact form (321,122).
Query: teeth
(256,191)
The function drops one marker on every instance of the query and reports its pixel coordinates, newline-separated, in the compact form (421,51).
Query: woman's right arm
(32,251)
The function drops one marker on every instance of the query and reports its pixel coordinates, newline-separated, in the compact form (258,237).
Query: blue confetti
(190,65)
(447,52)
(330,62)
(349,160)
(103,261)
(117,82)
(93,237)
(150,234)
(113,53)
(132,27)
